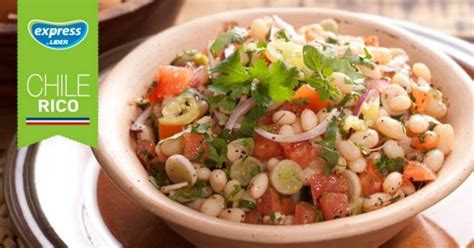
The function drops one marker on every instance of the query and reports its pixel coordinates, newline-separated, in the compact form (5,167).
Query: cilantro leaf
(325,89)
(279,80)
(386,165)
(324,65)
(231,71)
(250,121)
(259,69)
(313,59)
(237,34)
(217,152)
(221,101)
(282,35)
(247,204)
(328,145)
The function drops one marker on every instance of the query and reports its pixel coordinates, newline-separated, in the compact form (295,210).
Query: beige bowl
(134,73)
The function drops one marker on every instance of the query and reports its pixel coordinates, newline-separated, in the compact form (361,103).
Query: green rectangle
(57,70)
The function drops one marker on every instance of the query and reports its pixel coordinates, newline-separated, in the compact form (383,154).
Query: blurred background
(122,21)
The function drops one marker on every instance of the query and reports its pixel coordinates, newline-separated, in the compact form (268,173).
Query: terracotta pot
(135,72)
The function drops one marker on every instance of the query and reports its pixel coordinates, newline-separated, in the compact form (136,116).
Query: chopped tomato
(322,183)
(265,149)
(271,201)
(146,153)
(334,205)
(425,141)
(253,217)
(371,180)
(288,205)
(371,40)
(416,171)
(171,81)
(195,147)
(305,213)
(422,98)
(308,97)
(166,131)
(302,153)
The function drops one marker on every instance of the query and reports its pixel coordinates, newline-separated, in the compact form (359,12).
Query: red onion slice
(239,111)
(358,106)
(139,124)
(312,133)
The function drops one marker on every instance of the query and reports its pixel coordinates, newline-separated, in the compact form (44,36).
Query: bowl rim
(328,230)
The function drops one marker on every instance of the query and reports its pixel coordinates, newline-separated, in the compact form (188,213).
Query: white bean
(417,124)
(171,147)
(390,127)
(297,126)
(400,103)
(374,156)
(259,29)
(401,79)
(434,159)
(196,204)
(233,214)
(238,149)
(376,201)
(422,71)
(286,130)
(436,108)
(218,180)
(381,55)
(308,119)
(348,150)
(259,185)
(359,165)
(230,187)
(317,164)
(203,174)
(392,182)
(272,163)
(370,72)
(382,112)
(446,137)
(339,79)
(213,205)
(366,138)
(392,149)
(283,117)
(329,25)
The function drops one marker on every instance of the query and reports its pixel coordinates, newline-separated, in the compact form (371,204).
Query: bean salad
(277,125)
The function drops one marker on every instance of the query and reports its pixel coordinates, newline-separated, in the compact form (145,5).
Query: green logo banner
(57,70)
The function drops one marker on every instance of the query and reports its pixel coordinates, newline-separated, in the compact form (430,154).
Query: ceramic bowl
(130,78)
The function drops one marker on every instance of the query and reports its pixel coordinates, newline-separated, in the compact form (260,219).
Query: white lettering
(28,85)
